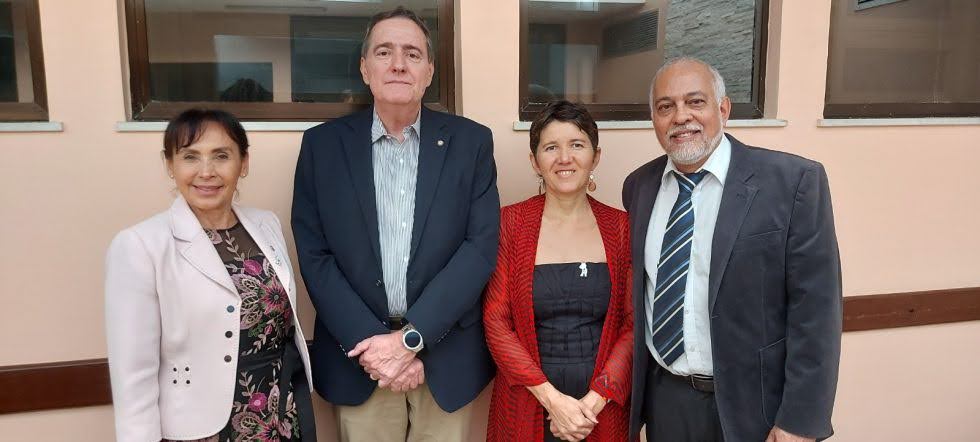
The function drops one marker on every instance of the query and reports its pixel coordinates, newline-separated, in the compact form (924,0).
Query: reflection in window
(264,51)
(904,58)
(16,82)
(606,52)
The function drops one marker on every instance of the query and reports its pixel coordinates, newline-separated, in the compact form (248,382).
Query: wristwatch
(412,339)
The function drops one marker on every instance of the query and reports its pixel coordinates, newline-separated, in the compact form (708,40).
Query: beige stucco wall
(904,199)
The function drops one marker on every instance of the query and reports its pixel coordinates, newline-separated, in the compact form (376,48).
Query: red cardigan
(508,315)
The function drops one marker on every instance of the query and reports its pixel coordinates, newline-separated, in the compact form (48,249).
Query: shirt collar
(716,165)
(378,128)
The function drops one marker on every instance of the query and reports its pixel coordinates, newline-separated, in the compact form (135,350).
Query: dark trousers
(675,412)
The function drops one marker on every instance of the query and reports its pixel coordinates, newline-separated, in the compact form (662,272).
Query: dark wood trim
(22,112)
(145,109)
(873,312)
(84,383)
(38,109)
(901,110)
(54,385)
(641,111)
(139,61)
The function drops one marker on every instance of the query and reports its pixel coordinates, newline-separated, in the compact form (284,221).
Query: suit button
(229,334)
(231,309)
(377,283)
(175,381)
(227,358)
(187,369)
(188,382)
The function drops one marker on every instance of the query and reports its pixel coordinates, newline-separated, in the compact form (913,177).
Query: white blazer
(169,304)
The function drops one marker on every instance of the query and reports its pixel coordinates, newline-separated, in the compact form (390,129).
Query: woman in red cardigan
(558,312)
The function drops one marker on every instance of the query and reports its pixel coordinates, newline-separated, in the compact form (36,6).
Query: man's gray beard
(691,153)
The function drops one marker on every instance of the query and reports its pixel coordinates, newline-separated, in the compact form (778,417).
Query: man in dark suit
(396,218)
(737,282)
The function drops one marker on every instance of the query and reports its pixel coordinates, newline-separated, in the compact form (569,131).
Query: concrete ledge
(33,126)
(250,126)
(880,122)
(526,125)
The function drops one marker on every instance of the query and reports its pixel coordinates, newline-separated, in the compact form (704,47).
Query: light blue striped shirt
(395,173)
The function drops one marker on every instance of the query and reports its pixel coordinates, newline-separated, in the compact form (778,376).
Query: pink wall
(904,200)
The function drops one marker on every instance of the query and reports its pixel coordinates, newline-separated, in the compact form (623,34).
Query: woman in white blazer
(203,337)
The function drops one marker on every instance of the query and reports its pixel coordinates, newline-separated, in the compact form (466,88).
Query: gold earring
(540,184)
(592,185)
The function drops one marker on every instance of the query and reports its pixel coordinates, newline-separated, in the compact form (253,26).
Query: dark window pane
(264,51)
(904,53)
(606,52)
(16,80)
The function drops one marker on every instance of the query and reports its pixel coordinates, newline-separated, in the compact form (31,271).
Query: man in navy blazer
(737,286)
(396,218)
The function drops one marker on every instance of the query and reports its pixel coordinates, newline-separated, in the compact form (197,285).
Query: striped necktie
(675,260)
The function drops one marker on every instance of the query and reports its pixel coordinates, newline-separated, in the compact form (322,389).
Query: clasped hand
(387,361)
(571,419)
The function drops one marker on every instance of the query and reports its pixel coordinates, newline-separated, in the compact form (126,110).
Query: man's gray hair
(717,81)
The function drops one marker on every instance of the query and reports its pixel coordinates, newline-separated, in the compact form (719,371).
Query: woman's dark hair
(185,129)
(566,112)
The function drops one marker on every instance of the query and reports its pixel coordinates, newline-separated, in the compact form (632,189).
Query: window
(903,59)
(22,94)
(604,52)
(266,59)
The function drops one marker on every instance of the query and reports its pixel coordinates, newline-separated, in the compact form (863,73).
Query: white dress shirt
(706,199)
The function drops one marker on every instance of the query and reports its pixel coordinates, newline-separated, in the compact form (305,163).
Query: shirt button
(231,309)
(404,224)
(403,191)
(228,334)
(227,358)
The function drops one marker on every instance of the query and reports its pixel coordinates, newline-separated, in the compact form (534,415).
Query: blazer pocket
(757,240)
(772,369)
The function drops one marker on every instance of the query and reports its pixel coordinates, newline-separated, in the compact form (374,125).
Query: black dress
(272,400)
(570,304)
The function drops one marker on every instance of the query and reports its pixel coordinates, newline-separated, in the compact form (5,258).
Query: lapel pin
(440,143)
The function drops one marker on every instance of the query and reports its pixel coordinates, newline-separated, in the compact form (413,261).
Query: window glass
(266,51)
(606,52)
(16,79)
(904,57)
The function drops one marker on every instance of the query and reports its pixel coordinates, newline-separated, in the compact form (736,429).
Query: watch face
(413,338)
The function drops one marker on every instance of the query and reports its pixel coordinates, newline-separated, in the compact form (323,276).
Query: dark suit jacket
(453,252)
(774,294)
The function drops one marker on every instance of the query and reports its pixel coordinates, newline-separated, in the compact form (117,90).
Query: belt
(396,322)
(698,382)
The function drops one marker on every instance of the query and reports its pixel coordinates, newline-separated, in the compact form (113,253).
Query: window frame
(641,112)
(142,108)
(36,110)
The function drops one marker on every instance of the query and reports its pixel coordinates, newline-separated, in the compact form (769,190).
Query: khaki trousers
(413,416)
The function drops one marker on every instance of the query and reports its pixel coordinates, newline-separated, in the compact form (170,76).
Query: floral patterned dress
(272,397)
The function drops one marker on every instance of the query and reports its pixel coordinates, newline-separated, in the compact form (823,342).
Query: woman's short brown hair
(566,112)
(185,129)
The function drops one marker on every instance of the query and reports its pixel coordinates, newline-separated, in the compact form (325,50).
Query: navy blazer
(453,253)
(774,294)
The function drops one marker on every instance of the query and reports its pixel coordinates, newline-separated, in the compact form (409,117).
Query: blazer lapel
(196,247)
(736,199)
(263,235)
(357,146)
(435,142)
(644,197)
